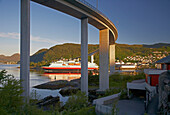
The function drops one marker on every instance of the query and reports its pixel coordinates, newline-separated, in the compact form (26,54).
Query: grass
(117,82)
(85,111)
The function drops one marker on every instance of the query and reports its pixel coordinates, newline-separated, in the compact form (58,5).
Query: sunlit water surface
(37,78)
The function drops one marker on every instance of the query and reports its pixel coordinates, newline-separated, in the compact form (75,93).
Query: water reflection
(36,78)
(63,76)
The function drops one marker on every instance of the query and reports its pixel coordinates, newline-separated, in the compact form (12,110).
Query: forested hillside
(70,50)
(67,51)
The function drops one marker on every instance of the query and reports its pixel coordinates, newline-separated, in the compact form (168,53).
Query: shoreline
(53,85)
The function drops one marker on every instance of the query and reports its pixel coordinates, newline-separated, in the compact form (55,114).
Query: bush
(119,80)
(76,102)
(11,101)
(111,92)
(10,91)
(33,110)
(93,79)
(123,94)
(84,111)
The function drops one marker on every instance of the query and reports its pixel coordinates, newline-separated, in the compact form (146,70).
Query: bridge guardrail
(94,8)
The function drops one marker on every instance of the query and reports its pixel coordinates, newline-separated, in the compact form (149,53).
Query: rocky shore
(67,87)
(53,85)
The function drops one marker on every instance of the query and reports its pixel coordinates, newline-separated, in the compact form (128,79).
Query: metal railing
(89,5)
(94,8)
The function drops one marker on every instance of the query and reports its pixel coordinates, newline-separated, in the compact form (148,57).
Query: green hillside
(70,50)
(38,56)
(67,51)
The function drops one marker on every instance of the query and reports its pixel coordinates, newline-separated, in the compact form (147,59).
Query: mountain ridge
(71,50)
(13,58)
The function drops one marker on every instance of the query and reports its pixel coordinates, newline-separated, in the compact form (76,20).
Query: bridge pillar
(112,58)
(84,55)
(25,48)
(104,60)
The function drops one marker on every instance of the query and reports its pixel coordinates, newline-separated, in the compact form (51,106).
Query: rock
(45,99)
(166,81)
(74,84)
(59,84)
(92,97)
(164,91)
(53,85)
(48,101)
(67,91)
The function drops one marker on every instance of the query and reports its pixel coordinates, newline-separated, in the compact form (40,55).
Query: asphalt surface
(134,106)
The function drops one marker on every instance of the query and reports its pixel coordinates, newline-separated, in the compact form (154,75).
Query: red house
(152,75)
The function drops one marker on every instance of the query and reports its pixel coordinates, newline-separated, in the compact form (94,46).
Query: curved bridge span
(82,9)
(87,14)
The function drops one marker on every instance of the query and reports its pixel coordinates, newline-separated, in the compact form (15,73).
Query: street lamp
(97,4)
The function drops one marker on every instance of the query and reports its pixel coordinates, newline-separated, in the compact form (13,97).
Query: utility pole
(97,4)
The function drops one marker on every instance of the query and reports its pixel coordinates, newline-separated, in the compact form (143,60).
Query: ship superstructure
(72,66)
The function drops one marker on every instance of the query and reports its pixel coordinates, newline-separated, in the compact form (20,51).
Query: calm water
(37,78)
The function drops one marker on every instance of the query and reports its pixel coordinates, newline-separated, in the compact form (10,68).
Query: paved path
(153,106)
(135,106)
(131,107)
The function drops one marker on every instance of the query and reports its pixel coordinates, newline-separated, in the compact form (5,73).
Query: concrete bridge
(87,14)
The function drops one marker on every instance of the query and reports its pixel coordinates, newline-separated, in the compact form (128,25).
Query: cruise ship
(68,67)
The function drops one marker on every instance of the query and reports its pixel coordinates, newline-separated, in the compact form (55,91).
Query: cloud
(14,35)
(9,35)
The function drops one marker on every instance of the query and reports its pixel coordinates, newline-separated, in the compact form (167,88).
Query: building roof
(153,71)
(164,60)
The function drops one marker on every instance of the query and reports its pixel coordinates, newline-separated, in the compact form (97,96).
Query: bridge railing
(94,8)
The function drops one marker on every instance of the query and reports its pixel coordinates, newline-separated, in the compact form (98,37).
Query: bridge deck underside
(79,10)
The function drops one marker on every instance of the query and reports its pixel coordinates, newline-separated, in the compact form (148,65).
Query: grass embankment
(117,82)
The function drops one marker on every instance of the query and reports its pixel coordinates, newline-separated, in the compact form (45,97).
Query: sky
(137,22)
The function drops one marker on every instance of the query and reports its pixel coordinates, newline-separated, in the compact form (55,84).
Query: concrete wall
(101,103)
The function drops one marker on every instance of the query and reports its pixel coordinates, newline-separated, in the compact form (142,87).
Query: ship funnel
(92,58)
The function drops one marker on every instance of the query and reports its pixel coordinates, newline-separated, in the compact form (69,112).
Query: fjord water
(37,78)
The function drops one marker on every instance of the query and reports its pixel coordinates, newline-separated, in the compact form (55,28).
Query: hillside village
(145,60)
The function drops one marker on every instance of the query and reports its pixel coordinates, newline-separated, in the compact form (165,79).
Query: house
(152,75)
(151,82)
(164,63)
